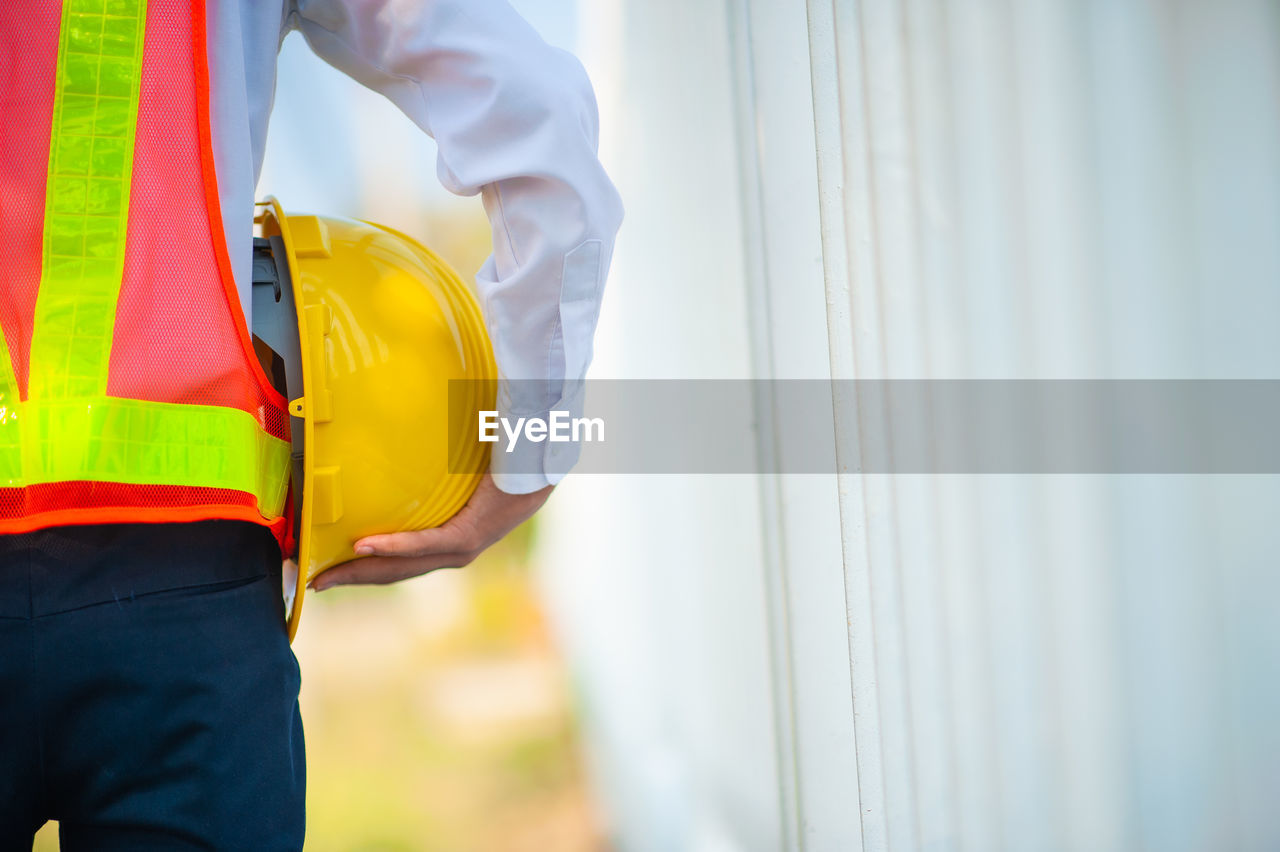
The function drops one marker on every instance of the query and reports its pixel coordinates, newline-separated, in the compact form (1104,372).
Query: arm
(515,121)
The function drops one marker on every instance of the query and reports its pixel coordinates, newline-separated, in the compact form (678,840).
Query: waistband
(63,568)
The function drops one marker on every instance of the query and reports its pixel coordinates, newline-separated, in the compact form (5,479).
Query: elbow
(572,113)
(612,212)
(579,119)
(565,91)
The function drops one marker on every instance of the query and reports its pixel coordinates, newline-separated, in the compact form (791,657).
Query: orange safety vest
(129,388)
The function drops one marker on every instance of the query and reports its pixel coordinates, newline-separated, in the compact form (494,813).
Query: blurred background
(438,712)
(882,189)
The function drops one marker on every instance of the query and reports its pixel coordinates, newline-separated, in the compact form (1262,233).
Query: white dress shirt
(514,120)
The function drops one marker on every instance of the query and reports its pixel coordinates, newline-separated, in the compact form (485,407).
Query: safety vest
(129,387)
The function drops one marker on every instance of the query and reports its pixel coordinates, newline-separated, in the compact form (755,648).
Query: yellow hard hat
(382,327)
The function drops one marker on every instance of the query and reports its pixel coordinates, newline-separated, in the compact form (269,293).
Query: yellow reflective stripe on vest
(95,112)
(9,400)
(112,439)
(68,429)
(10,412)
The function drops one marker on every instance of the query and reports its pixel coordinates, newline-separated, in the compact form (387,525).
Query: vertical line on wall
(773,530)
(834,190)
(934,785)
(878,78)
(978,798)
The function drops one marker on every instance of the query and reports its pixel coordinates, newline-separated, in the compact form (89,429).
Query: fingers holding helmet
(487,518)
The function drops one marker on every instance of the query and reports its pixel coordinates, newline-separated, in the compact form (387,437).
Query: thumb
(446,539)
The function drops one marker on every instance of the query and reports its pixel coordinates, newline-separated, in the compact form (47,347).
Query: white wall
(927,189)
(658,582)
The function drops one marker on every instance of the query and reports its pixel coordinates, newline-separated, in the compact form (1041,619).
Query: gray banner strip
(1042,426)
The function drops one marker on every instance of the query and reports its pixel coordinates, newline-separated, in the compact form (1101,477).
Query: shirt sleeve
(514,120)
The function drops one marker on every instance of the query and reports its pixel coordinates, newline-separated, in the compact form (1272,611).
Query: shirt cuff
(521,464)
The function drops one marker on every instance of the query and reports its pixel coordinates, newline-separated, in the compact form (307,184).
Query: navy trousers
(148,695)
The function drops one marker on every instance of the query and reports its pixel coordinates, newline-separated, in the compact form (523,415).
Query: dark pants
(148,696)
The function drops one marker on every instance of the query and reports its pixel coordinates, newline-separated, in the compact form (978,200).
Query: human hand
(488,516)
